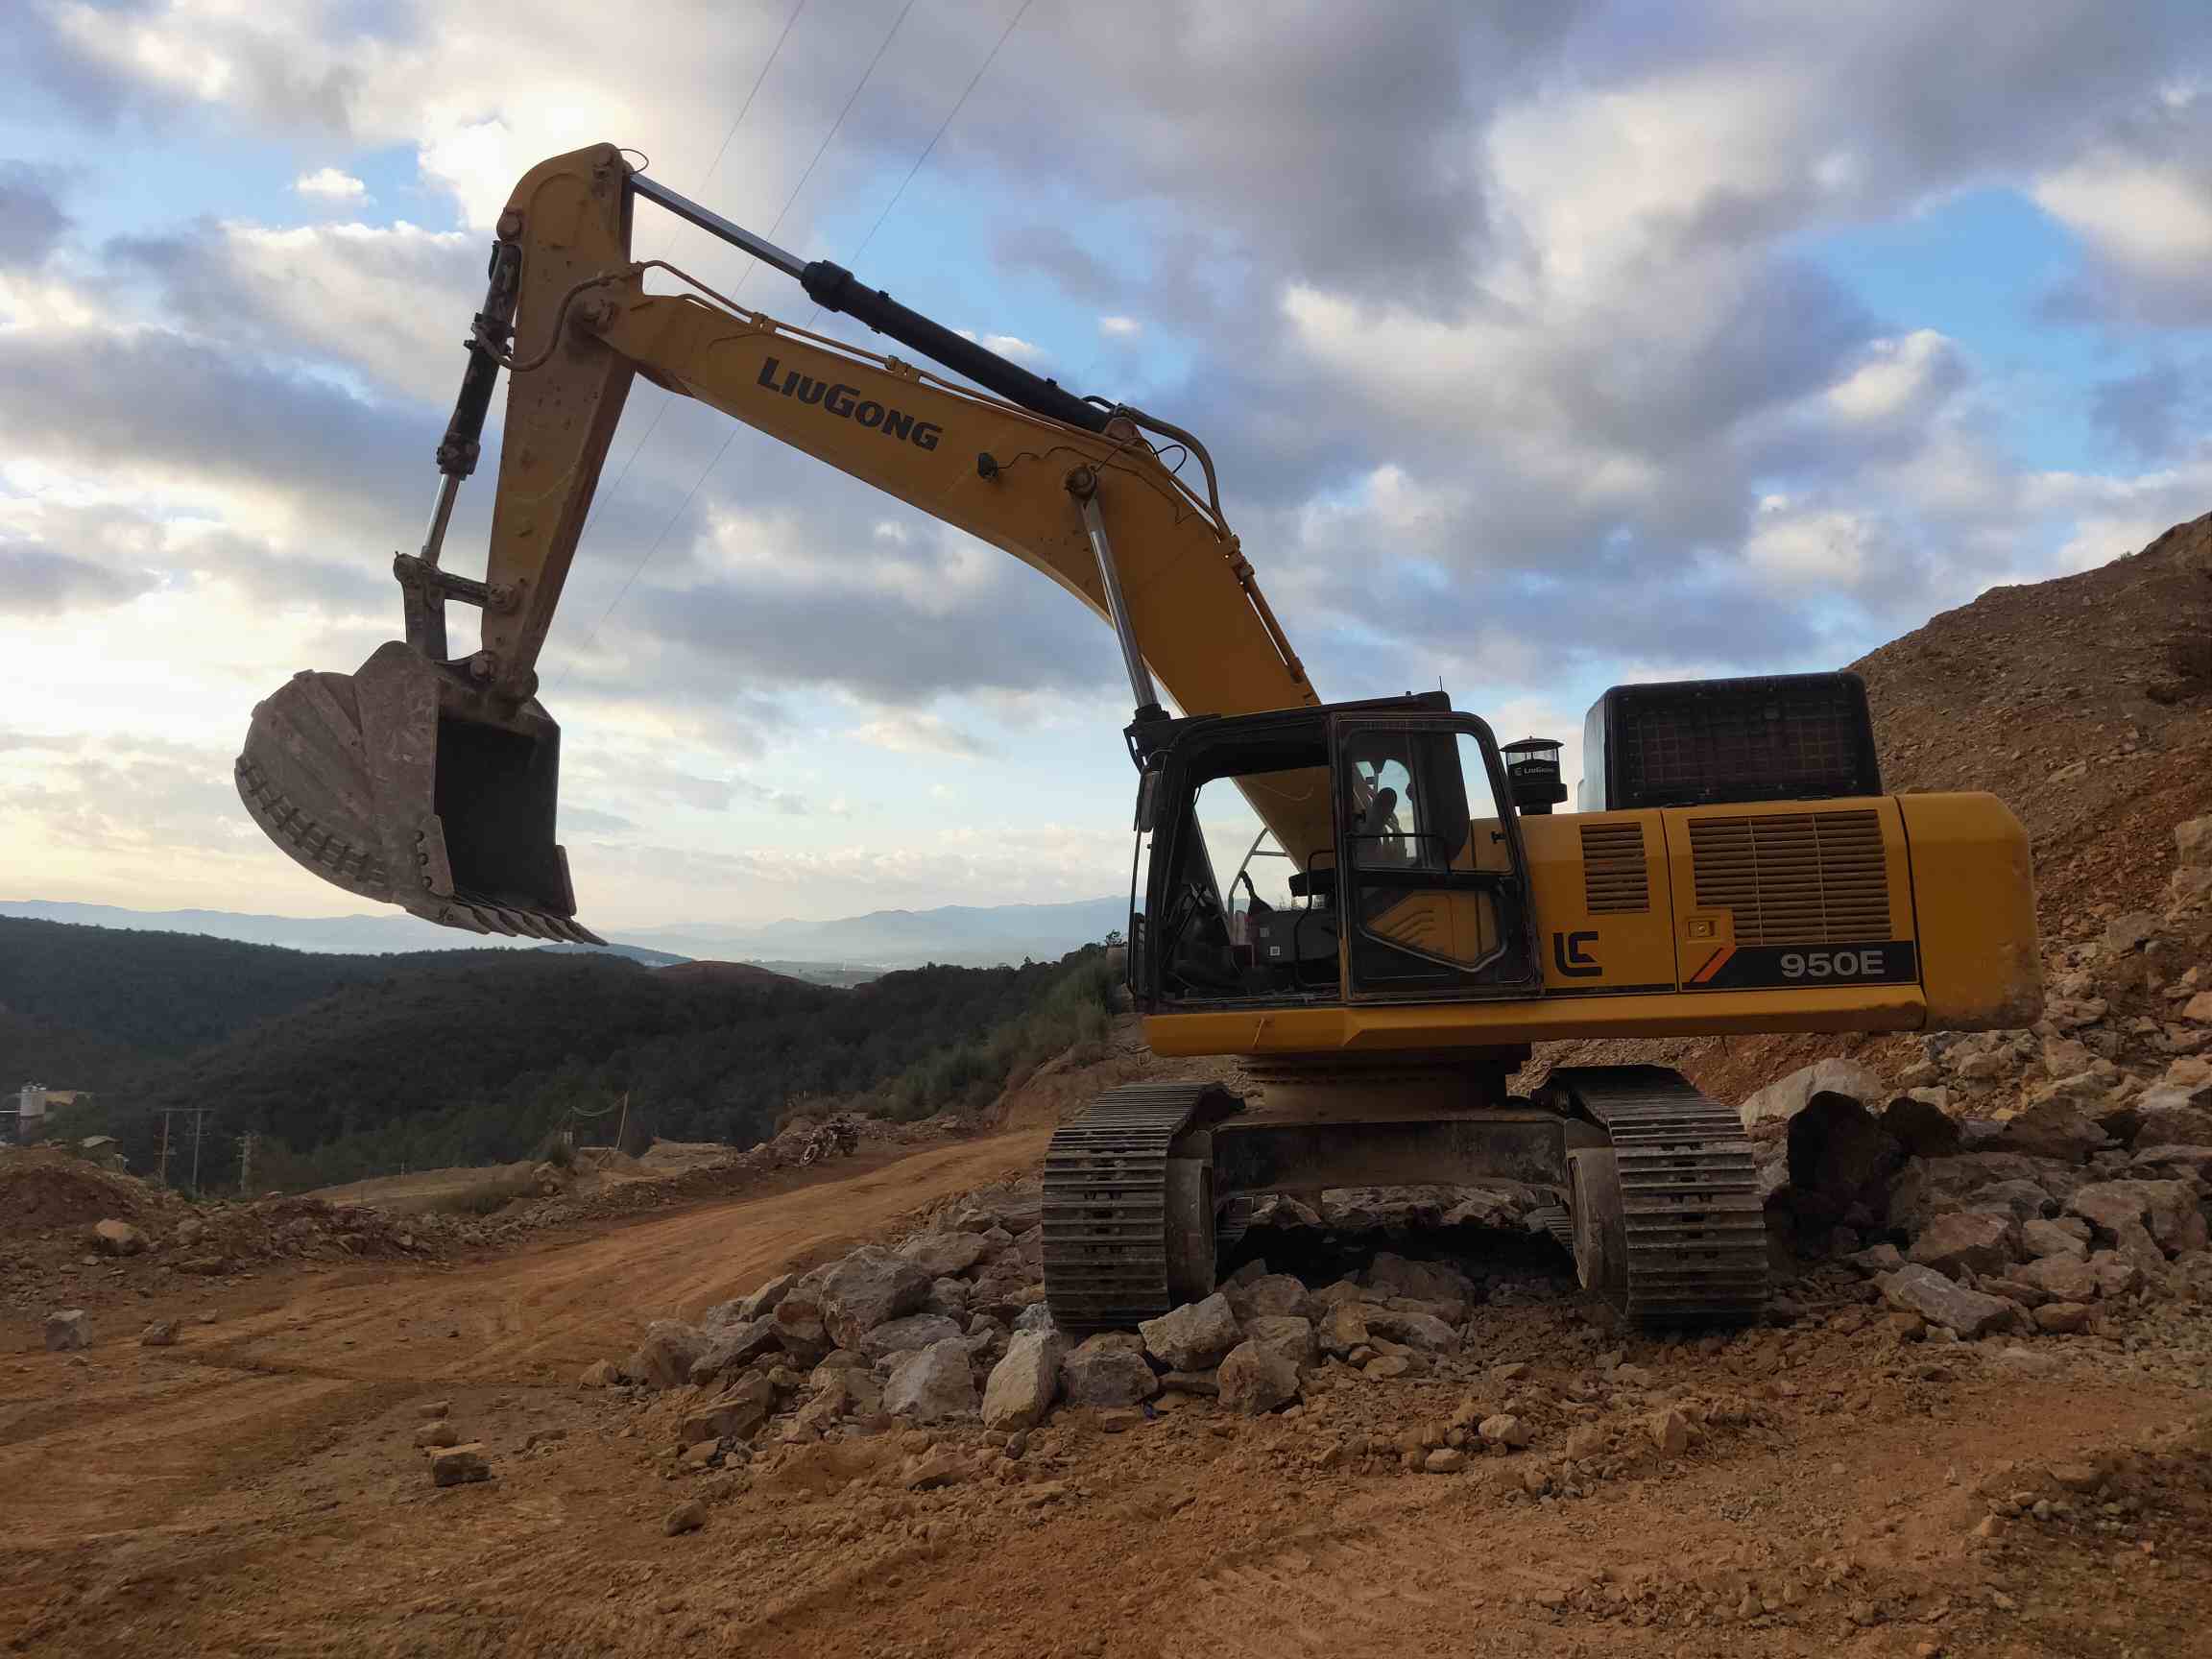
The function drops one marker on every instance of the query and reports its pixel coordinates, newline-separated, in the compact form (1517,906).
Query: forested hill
(166,992)
(353,1065)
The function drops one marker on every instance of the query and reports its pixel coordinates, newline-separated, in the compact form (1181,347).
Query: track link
(1696,1223)
(1106,1212)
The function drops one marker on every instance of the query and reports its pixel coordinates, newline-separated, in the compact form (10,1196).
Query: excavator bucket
(398,783)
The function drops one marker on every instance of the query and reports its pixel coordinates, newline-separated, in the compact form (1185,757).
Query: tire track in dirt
(116,1444)
(548,1310)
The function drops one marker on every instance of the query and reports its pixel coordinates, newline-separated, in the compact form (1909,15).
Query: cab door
(1431,879)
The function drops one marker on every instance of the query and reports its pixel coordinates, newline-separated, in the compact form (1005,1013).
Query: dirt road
(254,1491)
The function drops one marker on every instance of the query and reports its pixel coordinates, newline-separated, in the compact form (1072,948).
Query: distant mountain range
(960,934)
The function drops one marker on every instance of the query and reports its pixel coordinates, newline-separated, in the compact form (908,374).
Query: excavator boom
(430,780)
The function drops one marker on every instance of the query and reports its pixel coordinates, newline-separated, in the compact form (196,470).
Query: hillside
(2085,702)
(131,994)
(356,1065)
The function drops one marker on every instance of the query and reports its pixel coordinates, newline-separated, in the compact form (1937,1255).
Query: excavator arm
(430,781)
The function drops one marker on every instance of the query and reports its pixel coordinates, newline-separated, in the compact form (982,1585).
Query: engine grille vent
(1614,881)
(1794,878)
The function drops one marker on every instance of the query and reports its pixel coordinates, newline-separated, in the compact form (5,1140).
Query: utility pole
(624,1121)
(199,1128)
(245,1162)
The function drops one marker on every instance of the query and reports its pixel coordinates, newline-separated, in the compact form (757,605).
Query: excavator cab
(1410,882)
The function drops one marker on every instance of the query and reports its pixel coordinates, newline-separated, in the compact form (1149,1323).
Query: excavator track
(1109,1220)
(1691,1210)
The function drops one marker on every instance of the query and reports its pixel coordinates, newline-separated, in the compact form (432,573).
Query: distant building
(27,1119)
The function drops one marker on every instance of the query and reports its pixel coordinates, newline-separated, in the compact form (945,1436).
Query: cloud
(1898,379)
(1119,327)
(39,582)
(2142,411)
(909,732)
(2141,200)
(329,184)
(590,821)
(32,223)
(390,303)
(1012,346)
(186,414)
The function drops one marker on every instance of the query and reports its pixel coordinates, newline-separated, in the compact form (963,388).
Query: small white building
(30,1111)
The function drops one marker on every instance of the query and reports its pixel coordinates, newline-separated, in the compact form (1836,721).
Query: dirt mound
(41,1189)
(2085,703)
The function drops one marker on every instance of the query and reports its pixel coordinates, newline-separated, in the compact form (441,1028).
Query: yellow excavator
(1373,902)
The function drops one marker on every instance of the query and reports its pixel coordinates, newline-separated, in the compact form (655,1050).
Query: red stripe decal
(1713,965)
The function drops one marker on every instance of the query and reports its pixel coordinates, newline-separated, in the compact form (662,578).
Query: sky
(1543,345)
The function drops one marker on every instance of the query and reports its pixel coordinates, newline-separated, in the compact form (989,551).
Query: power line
(713,167)
(716,166)
(730,437)
(961,103)
(823,148)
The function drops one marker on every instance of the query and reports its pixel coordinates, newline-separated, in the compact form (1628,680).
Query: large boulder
(2069,1238)
(1423,1281)
(1344,1328)
(1917,1288)
(1838,1155)
(1106,1377)
(2164,1210)
(1920,1126)
(943,1255)
(735,1345)
(67,1329)
(914,1331)
(868,1289)
(2166,1118)
(756,1304)
(665,1358)
(1967,1242)
(118,1238)
(736,1415)
(1784,1100)
(1024,1385)
(1288,1333)
(2021,1200)
(1926,1187)
(1192,1337)
(800,1327)
(2057,1129)
(931,1383)
(1269,1294)
(2062,1278)
(1256,1379)
(2168,1213)
(1422,1331)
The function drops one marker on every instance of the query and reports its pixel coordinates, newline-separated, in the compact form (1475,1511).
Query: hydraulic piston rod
(1083,484)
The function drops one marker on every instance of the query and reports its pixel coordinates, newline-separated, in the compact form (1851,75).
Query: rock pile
(2024,1181)
(951,1326)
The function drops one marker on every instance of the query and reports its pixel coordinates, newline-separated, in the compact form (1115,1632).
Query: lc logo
(1571,958)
